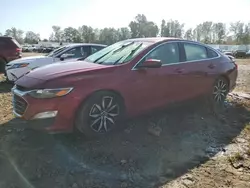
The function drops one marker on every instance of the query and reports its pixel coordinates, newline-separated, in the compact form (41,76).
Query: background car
(239,53)
(10,50)
(16,69)
(125,79)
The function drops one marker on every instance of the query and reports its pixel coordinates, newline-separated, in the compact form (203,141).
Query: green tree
(206,32)
(141,27)
(71,34)
(123,33)
(108,36)
(172,28)
(31,37)
(15,33)
(219,33)
(87,34)
(189,34)
(238,30)
(57,34)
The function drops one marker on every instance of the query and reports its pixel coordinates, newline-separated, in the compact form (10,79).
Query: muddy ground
(178,147)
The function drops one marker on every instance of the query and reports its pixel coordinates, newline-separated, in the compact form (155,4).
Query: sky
(40,15)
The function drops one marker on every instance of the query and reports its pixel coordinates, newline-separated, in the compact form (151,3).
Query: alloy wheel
(220,91)
(102,115)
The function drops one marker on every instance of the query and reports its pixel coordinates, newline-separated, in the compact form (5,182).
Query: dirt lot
(188,147)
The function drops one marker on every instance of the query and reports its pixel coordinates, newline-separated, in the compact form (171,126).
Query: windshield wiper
(101,57)
(130,54)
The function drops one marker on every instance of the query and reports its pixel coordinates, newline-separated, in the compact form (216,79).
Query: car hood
(31,59)
(59,69)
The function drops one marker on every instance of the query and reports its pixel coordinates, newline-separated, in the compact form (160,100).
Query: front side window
(168,53)
(56,51)
(195,52)
(77,52)
(118,53)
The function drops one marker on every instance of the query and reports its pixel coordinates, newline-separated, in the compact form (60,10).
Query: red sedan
(125,79)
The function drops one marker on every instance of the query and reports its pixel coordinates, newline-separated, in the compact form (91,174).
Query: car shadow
(151,151)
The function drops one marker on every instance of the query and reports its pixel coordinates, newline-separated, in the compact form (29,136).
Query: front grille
(19,104)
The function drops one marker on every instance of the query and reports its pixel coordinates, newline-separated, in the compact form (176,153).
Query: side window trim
(168,42)
(181,48)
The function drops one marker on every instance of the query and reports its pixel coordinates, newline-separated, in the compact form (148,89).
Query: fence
(230,47)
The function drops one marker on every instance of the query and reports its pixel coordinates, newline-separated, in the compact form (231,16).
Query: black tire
(219,94)
(95,118)
(2,66)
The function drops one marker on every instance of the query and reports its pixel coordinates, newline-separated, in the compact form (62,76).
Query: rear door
(197,65)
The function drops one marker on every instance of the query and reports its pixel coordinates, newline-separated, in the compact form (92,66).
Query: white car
(17,68)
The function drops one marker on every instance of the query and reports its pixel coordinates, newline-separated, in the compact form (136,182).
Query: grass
(235,158)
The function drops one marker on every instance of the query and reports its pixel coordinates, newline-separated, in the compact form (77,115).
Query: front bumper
(52,115)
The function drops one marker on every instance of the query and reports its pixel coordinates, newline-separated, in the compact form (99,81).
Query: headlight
(21,65)
(49,93)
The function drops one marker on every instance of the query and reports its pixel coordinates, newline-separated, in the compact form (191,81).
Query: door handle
(211,66)
(179,70)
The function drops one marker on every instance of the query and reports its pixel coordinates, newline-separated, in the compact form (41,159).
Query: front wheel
(100,114)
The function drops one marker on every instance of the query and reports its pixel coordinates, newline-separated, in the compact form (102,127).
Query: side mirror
(151,63)
(63,56)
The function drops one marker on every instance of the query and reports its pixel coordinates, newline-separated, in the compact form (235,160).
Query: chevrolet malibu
(126,79)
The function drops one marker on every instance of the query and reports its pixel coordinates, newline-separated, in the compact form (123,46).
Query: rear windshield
(16,43)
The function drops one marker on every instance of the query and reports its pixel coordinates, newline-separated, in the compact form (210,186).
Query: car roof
(153,39)
(5,37)
(84,44)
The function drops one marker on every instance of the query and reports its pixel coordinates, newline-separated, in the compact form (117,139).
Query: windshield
(56,51)
(118,53)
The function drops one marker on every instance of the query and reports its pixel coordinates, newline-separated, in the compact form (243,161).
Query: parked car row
(38,49)
(126,79)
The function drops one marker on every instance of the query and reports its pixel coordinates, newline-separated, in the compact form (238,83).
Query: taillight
(18,50)
(236,66)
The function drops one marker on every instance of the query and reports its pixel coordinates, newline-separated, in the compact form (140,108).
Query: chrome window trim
(190,42)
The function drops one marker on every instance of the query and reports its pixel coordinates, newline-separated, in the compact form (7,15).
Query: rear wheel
(219,94)
(100,114)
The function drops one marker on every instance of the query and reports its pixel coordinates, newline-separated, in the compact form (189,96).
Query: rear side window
(16,43)
(195,52)
(211,53)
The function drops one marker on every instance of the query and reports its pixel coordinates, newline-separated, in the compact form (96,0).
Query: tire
(219,93)
(2,66)
(100,114)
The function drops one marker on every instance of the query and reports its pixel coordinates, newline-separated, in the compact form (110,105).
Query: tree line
(206,32)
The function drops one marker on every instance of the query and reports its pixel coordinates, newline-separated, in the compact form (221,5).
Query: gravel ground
(181,147)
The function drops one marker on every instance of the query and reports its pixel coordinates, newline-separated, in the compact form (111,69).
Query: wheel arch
(226,78)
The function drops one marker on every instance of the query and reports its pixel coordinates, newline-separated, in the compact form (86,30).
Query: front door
(156,87)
